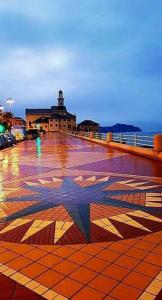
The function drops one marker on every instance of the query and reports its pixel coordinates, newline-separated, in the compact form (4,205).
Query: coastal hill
(119,128)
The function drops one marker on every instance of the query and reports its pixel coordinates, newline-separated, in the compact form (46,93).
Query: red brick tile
(35,254)
(144,245)
(22,248)
(33,270)
(103,284)
(67,287)
(64,251)
(87,293)
(119,247)
(19,263)
(2,250)
(108,255)
(83,275)
(123,292)
(49,278)
(7,256)
(91,249)
(137,253)
(65,267)
(147,269)
(116,272)
(154,259)
(158,250)
(152,239)
(49,260)
(96,264)
(79,257)
(128,262)
(137,280)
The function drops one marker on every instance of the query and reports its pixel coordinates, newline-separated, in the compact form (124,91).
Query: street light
(10,102)
(1,109)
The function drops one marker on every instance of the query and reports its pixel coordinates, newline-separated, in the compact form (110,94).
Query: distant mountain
(119,128)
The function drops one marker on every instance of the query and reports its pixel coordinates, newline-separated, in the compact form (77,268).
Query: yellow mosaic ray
(92,178)
(104,179)
(125,181)
(79,178)
(107,225)
(31,183)
(42,181)
(136,184)
(129,221)
(142,214)
(56,179)
(60,229)
(153,200)
(148,187)
(6,192)
(36,226)
(2,213)
(16,223)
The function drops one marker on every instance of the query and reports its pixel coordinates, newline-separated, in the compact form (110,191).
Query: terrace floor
(79,221)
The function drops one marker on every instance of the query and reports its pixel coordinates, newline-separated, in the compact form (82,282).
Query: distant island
(119,128)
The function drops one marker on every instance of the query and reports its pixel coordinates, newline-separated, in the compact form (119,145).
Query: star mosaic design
(77,195)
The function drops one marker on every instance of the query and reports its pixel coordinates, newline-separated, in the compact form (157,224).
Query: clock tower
(61,98)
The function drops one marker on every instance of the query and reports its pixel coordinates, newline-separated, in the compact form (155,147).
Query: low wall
(146,152)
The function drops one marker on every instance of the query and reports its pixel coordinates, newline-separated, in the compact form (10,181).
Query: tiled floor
(79,221)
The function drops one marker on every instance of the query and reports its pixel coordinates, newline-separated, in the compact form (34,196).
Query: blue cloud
(105,55)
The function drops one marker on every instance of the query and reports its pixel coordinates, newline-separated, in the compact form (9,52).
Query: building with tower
(55,118)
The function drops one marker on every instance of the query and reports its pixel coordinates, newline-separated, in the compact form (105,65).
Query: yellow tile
(37,223)
(59,224)
(41,289)
(107,225)
(32,284)
(9,272)
(157,283)
(16,276)
(159,277)
(50,295)
(24,280)
(146,296)
(60,297)
(3,268)
(67,225)
(34,228)
(153,289)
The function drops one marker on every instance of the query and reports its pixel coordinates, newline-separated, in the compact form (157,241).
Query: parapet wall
(154,153)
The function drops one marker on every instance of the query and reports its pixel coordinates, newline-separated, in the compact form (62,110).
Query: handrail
(146,141)
(134,139)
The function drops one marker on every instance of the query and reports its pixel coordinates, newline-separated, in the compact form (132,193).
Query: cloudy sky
(106,55)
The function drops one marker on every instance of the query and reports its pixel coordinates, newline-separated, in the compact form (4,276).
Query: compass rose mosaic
(83,209)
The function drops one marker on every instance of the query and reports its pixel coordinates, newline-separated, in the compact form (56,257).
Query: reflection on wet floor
(79,221)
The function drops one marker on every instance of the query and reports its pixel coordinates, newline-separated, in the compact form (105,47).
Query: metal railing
(146,141)
(138,140)
(99,136)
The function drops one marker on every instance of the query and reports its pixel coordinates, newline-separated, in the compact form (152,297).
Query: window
(56,125)
(51,125)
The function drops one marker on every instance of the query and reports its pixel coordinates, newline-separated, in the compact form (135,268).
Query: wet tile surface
(79,221)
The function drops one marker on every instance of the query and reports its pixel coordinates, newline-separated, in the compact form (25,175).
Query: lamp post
(10,102)
(1,109)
